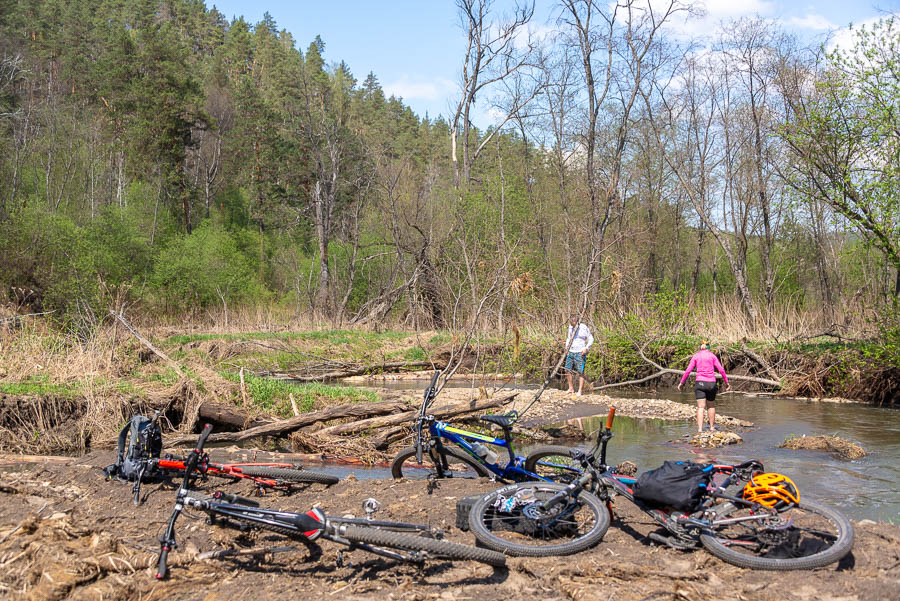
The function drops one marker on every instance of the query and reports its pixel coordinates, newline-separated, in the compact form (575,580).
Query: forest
(159,158)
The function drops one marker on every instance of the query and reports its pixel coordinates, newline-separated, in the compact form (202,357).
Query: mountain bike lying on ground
(142,462)
(387,539)
(763,525)
(469,458)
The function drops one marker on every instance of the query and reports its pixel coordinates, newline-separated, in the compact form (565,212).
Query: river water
(861,488)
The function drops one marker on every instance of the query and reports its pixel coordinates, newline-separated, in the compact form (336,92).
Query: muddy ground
(65,533)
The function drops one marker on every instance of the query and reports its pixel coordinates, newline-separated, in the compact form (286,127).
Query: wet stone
(715,439)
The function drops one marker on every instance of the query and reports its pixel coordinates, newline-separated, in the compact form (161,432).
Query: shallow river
(862,488)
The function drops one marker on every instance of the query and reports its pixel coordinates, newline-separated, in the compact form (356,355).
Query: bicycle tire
(451,454)
(288,475)
(818,514)
(435,547)
(538,460)
(485,523)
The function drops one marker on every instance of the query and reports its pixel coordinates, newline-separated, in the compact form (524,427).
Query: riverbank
(65,533)
(60,395)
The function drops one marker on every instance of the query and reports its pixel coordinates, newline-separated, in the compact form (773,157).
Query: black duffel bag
(677,484)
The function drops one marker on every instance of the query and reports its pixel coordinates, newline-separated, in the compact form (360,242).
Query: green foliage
(846,138)
(205,268)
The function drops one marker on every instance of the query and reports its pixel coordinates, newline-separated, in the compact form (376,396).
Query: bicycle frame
(511,471)
(602,480)
(229,470)
(439,431)
(304,527)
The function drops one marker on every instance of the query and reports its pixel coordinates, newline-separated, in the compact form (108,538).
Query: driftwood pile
(351,428)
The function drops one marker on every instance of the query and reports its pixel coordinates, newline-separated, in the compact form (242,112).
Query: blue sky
(415,47)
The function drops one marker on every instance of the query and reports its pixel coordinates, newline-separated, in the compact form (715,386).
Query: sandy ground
(80,537)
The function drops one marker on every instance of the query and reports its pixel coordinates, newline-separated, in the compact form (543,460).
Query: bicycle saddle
(504,421)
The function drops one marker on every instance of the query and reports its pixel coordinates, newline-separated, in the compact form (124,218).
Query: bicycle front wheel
(433,547)
(806,536)
(553,463)
(460,464)
(512,520)
(283,475)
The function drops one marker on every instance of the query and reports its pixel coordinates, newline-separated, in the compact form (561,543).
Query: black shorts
(706,390)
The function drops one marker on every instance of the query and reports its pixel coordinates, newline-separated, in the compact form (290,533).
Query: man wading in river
(581,340)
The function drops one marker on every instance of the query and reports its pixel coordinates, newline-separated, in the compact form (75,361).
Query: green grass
(35,386)
(273,396)
(327,336)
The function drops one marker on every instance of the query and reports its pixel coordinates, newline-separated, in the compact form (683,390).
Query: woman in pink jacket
(706,364)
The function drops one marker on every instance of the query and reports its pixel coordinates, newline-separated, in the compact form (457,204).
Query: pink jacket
(706,364)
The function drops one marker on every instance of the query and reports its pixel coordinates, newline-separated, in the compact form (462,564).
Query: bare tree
(495,51)
(617,45)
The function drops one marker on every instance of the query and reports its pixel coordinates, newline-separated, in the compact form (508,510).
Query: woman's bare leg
(701,405)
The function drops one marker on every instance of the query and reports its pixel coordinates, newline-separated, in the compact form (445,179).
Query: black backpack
(677,484)
(145,444)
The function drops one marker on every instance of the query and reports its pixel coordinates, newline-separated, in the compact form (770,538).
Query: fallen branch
(666,370)
(759,360)
(21,317)
(402,418)
(236,552)
(282,427)
(658,374)
(350,371)
(147,343)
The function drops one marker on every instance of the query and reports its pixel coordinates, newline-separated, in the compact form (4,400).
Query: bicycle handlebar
(428,391)
(609,418)
(167,542)
(237,499)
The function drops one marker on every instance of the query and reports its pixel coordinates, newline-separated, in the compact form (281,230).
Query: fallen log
(350,371)
(409,416)
(221,414)
(286,426)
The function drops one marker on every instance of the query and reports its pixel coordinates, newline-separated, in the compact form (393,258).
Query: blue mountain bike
(470,455)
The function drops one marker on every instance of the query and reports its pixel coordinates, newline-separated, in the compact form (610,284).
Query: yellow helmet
(772,490)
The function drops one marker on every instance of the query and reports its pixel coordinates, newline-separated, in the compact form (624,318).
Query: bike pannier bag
(676,484)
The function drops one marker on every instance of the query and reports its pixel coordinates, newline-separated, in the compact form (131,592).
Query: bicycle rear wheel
(553,463)
(806,536)
(461,465)
(433,547)
(512,521)
(289,476)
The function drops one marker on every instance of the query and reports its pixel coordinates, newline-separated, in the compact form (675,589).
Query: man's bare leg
(569,380)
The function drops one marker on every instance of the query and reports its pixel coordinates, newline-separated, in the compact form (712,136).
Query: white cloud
(714,12)
(419,88)
(845,37)
(812,21)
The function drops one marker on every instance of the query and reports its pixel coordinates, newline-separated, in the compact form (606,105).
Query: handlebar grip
(429,392)
(609,418)
(239,500)
(207,429)
(161,568)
